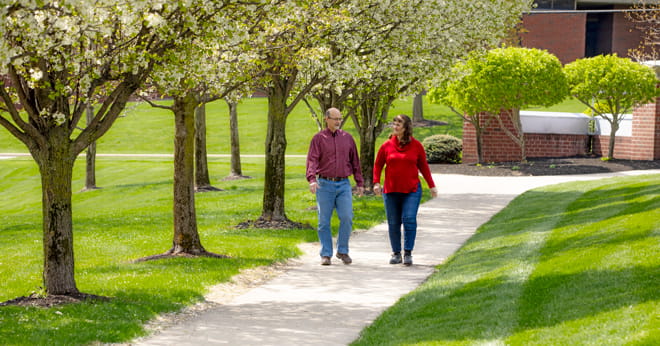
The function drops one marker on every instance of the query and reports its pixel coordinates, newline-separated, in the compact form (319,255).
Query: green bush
(443,149)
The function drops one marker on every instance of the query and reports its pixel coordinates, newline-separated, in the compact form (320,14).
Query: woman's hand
(434,192)
(377,189)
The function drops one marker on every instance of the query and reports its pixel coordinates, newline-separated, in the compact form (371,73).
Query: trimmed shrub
(443,149)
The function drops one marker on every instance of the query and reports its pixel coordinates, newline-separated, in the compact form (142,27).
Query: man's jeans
(332,195)
(401,208)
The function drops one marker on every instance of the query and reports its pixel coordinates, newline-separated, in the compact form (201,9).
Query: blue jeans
(334,195)
(401,208)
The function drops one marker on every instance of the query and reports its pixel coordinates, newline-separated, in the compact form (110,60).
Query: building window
(555,4)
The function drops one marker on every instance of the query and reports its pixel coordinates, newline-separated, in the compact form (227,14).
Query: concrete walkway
(310,304)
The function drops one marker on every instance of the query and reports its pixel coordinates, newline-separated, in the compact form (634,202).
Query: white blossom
(36,74)
(154,20)
(59,118)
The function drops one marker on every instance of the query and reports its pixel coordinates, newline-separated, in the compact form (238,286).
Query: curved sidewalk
(310,304)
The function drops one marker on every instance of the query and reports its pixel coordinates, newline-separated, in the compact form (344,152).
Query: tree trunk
(202,180)
(186,238)
(370,120)
(236,170)
(480,144)
(56,168)
(367,158)
(90,158)
(418,108)
(517,135)
(517,123)
(479,128)
(614,127)
(273,201)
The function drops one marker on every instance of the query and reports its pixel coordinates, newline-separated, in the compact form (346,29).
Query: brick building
(573,29)
(566,135)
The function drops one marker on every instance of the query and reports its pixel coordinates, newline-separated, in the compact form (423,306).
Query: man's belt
(332,178)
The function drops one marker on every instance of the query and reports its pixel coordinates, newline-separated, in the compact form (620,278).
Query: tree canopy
(505,80)
(611,86)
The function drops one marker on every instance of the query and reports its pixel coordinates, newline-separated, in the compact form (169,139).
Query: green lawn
(587,253)
(144,129)
(570,264)
(130,218)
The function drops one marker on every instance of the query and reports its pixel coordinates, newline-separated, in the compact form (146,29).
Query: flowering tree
(646,18)
(398,48)
(210,67)
(611,86)
(295,58)
(58,57)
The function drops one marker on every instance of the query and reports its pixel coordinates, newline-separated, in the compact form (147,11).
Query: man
(331,159)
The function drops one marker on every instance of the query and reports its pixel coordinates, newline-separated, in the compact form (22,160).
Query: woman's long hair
(407,128)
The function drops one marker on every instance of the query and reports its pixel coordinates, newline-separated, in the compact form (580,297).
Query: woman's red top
(402,166)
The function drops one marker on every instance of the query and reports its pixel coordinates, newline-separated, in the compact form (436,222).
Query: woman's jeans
(401,208)
(331,195)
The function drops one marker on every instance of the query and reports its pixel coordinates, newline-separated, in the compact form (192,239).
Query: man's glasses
(335,119)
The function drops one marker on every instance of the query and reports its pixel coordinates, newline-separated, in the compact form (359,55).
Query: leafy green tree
(502,82)
(455,94)
(611,86)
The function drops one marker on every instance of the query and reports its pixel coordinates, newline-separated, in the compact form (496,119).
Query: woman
(403,157)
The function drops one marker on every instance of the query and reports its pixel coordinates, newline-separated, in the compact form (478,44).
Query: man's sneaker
(344,258)
(396,258)
(407,260)
(325,261)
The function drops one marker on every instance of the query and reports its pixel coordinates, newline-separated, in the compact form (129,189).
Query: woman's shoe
(396,258)
(407,260)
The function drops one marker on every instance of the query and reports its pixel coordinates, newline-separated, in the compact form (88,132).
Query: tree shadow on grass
(590,207)
(496,309)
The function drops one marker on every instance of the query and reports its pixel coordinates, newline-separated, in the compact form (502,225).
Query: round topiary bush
(443,149)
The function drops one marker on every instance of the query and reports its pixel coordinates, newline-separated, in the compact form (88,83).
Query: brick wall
(562,34)
(644,144)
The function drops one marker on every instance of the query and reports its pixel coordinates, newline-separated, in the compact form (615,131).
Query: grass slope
(570,264)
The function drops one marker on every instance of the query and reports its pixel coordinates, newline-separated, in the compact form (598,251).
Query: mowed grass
(130,218)
(145,129)
(569,264)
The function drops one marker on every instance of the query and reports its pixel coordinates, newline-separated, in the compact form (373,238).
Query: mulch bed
(546,166)
(36,300)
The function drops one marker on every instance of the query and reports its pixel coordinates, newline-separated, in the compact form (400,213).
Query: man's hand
(360,191)
(312,187)
(377,189)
